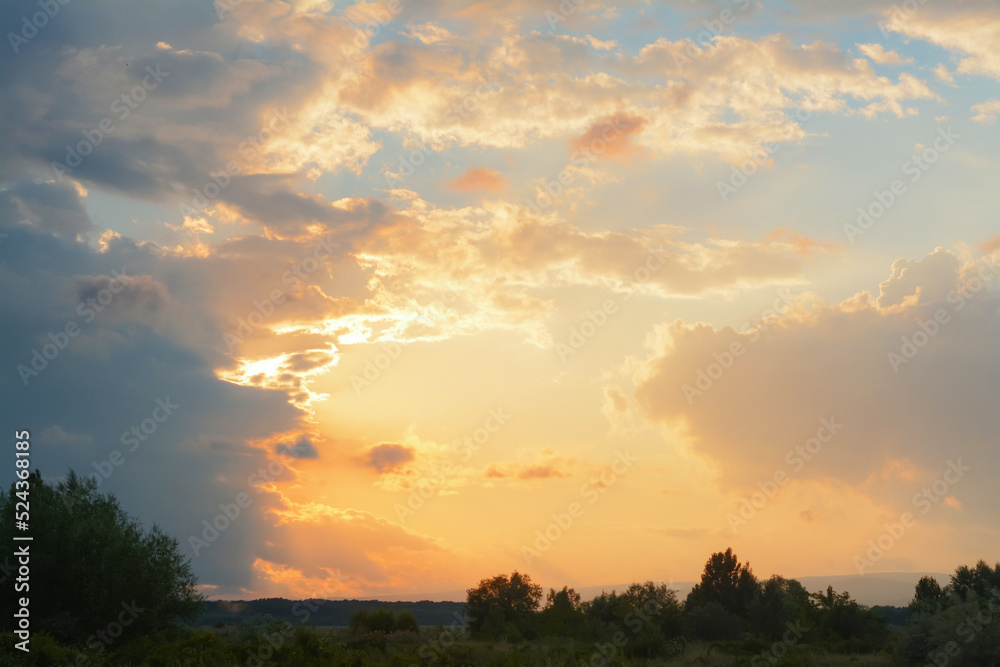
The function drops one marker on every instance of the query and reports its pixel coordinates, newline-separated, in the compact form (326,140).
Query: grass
(286,646)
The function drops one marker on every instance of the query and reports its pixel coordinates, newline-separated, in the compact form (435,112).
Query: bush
(407,622)
(382,621)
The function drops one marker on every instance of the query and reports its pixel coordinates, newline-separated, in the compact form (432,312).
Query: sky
(379,299)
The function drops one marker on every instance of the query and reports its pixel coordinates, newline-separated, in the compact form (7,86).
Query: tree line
(957,624)
(93,565)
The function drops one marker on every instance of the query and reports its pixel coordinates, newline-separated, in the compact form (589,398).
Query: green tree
(406,622)
(561,615)
(727,582)
(982,580)
(957,624)
(711,621)
(659,603)
(642,618)
(567,599)
(382,620)
(93,565)
(513,600)
(780,602)
(839,617)
(928,595)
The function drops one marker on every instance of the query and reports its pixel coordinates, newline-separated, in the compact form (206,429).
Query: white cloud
(986,112)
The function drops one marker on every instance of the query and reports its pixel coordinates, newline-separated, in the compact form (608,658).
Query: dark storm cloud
(303,449)
(150,111)
(105,385)
(52,207)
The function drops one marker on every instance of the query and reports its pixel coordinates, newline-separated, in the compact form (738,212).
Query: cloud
(303,449)
(428,33)
(524,472)
(879,55)
(896,373)
(972,29)
(929,279)
(991,245)
(56,436)
(480,179)
(386,457)
(942,74)
(55,208)
(986,112)
(546,464)
(610,136)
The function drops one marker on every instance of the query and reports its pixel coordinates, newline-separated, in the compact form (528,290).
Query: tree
(727,582)
(659,603)
(638,621)
(982,580)
(561,615)
(711,621)
(511,600)
(838,616)
(928,595)
(407,622)
(780,602)
(93,567)
(956,624)
(382,620)
(567,599)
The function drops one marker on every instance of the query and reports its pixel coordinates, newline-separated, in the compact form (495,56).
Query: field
(283,646)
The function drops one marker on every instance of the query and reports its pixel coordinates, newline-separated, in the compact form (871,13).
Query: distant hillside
(327,612)
(877,588)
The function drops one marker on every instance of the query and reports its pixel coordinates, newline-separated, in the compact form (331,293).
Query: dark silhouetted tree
(727,582)
(93,565)
(711,621)
(659,603)
(407,622)
(561,615)
(982,580)
(780,602)
(838,616)
(382,620)
(503,601)
(928,595)
(958,624)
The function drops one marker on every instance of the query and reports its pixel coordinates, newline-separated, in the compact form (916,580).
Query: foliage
(93,567)
(501,602)
(780,602)
(562,615)
(839,617)
(956,625)
(896,616)
(323,613)
(711,621)
(726,582)
(383,621)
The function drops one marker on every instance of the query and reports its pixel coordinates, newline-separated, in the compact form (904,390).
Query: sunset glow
(448,289)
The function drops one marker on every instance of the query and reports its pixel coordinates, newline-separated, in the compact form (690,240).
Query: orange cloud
(802,244)
(991,245)
(550,466)
(480,179)
(537,471)
(610,136)
(540,472)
